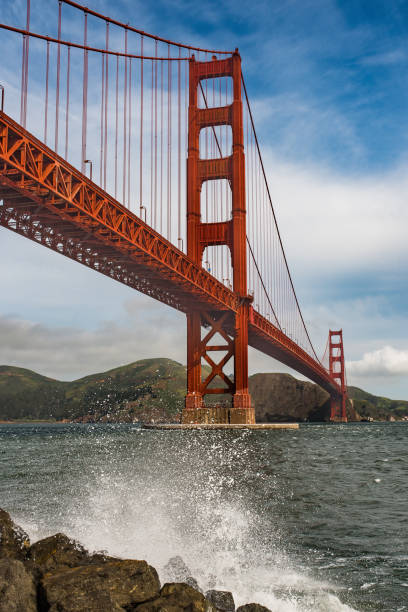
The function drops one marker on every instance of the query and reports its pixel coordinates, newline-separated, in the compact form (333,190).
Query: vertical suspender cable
(180,240)
(141,128)
(277,230)
(169,147)
(124,126)
(57,93)
(26,62)
(186,96)
(270,257)
(221,217)
(129,126)
(116,126)
(67,101)
(161,146)
(102,118)
(47,70)
(266,243)
(84,95)
(213,185)
(105,151)
(24,71)
(249,263)
(253,205)
(207,154)
(152,209)
(226,217)
(155,137)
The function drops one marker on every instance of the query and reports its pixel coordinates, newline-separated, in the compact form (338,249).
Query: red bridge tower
(337,372)
(229,232)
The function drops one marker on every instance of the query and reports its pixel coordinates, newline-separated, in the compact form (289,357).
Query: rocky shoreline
(57,574)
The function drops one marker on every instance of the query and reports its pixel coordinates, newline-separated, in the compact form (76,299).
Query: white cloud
(336,222)
(305,123)
(386,361)
(146,330)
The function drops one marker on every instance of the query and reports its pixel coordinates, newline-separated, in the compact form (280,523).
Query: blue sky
(329,90)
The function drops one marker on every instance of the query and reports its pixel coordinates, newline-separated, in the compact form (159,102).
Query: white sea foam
(156,512)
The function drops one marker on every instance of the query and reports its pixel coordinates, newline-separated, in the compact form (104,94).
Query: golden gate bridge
(138,157)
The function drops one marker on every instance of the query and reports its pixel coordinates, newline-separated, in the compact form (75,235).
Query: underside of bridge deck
(45,199)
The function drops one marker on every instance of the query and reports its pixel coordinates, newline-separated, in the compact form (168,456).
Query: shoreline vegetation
(57,574)
(152,391)
(34,421)
(87,422)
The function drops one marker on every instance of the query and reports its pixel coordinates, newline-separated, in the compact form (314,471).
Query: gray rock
(222,600)
(177,570)
(114,585)
(253,607)
(193,583)
(17,588)
(175,597)
(14,542)
(211,582)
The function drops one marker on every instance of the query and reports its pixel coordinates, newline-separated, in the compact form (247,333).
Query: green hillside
(144,390)
(13,380)
(376,407)
(154,389)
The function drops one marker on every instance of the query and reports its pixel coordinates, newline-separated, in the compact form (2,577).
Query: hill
(153,390)
(377,407)
(144,390)
(13,380)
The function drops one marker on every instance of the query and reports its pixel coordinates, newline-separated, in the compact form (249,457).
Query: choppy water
(313,519)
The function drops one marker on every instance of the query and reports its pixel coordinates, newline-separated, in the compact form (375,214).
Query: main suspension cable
(85,9)
(274,216)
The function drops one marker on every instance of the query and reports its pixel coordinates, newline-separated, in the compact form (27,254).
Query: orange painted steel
(269,339)
(231,233)
(72,45)
(45,199)
(337,372)
(43,195)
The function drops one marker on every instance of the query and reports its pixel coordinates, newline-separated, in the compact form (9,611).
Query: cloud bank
(144,331)
(386,361)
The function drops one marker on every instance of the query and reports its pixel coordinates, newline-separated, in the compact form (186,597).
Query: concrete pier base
(222,426)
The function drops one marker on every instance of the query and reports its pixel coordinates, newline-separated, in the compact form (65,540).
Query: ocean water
(313,519)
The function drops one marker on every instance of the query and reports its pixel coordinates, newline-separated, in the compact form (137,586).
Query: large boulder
(14,542)
(114,585)
(221,600)
(175,597)
(17,588)
(57,551)
(253,607)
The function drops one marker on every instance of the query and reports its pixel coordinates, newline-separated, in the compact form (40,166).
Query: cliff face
(281,397)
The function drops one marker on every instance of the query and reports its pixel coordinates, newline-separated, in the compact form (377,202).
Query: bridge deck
(47,200)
